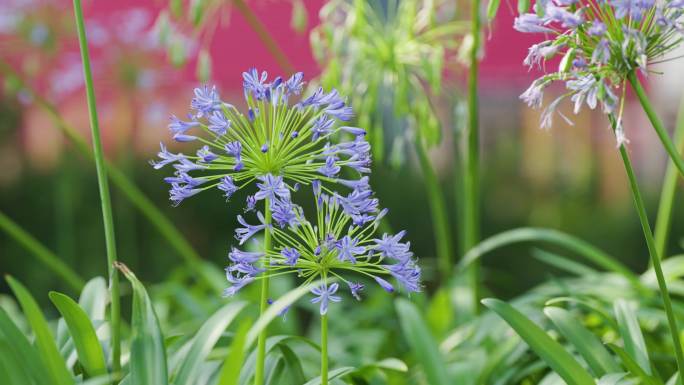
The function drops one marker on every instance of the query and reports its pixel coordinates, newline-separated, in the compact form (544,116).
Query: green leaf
(294,366)
(44,340)
(492,9)
(548,350)
(631,335)
(148,356)
(88,347)
(563,263)
(554,237)
(12,370)
(230,372)
(22,349)
(276,308)
(423,345)
(204,341)
(94,297)
(633,366)
(585,342)
(333,374)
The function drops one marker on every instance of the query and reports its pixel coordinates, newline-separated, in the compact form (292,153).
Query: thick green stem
(129,190)
(438,211)
(104,191)
(655,259)
(263,304)
(667,194)
(471,190)
(47,257)
(324,349)
(657,123)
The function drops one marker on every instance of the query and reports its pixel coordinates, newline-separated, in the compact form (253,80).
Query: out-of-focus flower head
(600,42)
(394,61)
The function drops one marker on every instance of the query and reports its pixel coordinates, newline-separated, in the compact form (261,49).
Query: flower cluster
(279,145)
(341,243)
(291,142)
(601,42)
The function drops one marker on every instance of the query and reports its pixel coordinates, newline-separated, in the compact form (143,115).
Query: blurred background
(148,55)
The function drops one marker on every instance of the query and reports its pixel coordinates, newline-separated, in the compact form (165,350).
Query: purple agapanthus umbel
(337,248)
(600,42)
(234,150)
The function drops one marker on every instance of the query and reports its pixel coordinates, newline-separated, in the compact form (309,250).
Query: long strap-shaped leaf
(585,342)
(531,234)
(21,348)
(45,342)
(148,355)
(88,347)
(204,341)
(422,343)
(548,350)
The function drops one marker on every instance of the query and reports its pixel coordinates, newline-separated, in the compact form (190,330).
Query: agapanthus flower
(281,139)
(333,248)
(602,43)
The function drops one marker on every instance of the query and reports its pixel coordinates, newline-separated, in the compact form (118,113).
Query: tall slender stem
(263,304)
(324,349)
(471,191)
(438,211)
(656,122)
(104,190)
(667,194)
(655,258)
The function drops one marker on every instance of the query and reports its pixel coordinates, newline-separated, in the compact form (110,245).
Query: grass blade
(633,366)
(44,255)
(88,347)
(628,325)
(585,342)
(333,374)
(21,347)
(294,366)
(422,343)
(548,350)
(554,237)
(47,350)
(148,355)
(275,309)
(204,341)
(230,372)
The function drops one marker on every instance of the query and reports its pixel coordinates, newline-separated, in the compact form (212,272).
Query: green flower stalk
(603,45)
(115,317)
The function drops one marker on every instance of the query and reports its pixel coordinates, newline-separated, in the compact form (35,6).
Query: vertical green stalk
(263,304)
(104,190)
(438,211)
(324,349)
(471,205)
(656,122)
(655,258)
(667,194)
